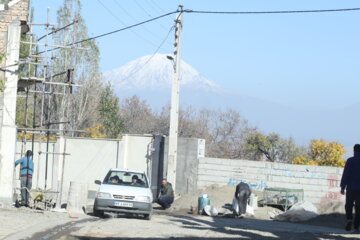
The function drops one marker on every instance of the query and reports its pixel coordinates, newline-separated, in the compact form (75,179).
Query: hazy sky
(294,59)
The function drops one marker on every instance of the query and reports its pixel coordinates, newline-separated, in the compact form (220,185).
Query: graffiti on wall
(260,186)
(310,172)
(333,183)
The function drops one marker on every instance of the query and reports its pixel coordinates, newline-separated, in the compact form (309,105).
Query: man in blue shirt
(351,182)
(26,170)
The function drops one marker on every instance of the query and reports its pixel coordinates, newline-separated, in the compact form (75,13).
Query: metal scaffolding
(41,86)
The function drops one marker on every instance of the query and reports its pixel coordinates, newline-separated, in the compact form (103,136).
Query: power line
(133,18)
(276,12)
(118,30)
(120,21)
(212,12)
(151,57)
(147,12)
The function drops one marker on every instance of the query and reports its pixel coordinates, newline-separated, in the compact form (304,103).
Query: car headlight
(103,195)
(143,199)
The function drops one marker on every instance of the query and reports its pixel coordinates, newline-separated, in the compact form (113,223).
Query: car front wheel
(147,216)
(98,213)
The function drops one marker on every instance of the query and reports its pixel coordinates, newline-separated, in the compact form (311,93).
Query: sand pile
(331,207)
(218,195)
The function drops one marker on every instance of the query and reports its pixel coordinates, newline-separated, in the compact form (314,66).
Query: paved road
(195,227)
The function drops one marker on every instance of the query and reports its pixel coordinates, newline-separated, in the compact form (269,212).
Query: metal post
(174,111)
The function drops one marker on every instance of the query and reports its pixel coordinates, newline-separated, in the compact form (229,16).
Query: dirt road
(175,226)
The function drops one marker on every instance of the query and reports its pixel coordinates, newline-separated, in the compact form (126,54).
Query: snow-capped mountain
(150,77)
(155,72)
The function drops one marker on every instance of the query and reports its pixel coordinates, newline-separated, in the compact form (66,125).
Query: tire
(98,213)
(147,216)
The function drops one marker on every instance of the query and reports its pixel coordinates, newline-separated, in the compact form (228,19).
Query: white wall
(39,163)
(137,151)
(320,184)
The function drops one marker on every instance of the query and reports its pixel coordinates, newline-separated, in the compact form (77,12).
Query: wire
(120,21)
(59,29)
(209,12)
(147,13)
(116,31)
(151,57)
(127,13)
(276,12)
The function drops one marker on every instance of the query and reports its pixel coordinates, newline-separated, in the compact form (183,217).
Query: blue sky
(298,60)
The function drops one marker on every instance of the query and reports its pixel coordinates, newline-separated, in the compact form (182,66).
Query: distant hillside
(150,79)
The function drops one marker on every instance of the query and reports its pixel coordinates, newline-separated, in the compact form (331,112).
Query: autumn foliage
(323,153)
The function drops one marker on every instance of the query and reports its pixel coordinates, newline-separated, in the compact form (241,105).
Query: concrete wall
(137,151)
(86,160)
(189,150)
(320,184)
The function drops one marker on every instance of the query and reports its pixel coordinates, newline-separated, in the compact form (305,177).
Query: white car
(124,191)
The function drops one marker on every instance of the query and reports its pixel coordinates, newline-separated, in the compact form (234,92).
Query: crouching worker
(241,198)
(166,197)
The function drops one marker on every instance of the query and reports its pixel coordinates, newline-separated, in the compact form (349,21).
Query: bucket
(202,202)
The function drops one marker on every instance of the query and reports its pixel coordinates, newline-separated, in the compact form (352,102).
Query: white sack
(250,210)
(235,206)
(301,211)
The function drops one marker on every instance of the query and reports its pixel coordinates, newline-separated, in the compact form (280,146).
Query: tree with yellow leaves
(97,131)
(323,153)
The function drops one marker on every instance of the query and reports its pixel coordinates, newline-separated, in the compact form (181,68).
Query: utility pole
(174,111)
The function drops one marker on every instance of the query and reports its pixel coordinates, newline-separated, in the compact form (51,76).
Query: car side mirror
(98,182)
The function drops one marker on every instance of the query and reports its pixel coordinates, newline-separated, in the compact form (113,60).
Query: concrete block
(215,173)
(215,167)
(217,179)
(217,161)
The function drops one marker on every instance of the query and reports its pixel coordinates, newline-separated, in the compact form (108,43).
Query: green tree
(272,147)
(109,109)
(81,106)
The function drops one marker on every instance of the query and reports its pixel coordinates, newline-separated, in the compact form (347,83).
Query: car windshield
(126,179)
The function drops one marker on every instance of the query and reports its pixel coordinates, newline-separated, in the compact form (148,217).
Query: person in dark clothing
(26,170)
(242,195)
(166,197)
(351,182)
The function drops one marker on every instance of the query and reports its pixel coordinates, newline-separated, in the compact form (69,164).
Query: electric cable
(116,31)
(133,18)
(136,2)
(151,57)
(275,12)
(210,12)
(120,21)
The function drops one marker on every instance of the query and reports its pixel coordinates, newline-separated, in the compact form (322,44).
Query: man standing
(26,171)
(166,197)
(351,182)
(242,195)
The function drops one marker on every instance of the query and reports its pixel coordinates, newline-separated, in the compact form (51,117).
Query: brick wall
(320,184)
(17,10)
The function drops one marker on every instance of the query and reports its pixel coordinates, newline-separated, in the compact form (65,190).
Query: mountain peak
(155,72)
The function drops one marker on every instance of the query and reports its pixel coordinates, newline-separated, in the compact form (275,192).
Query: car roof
(127,170)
